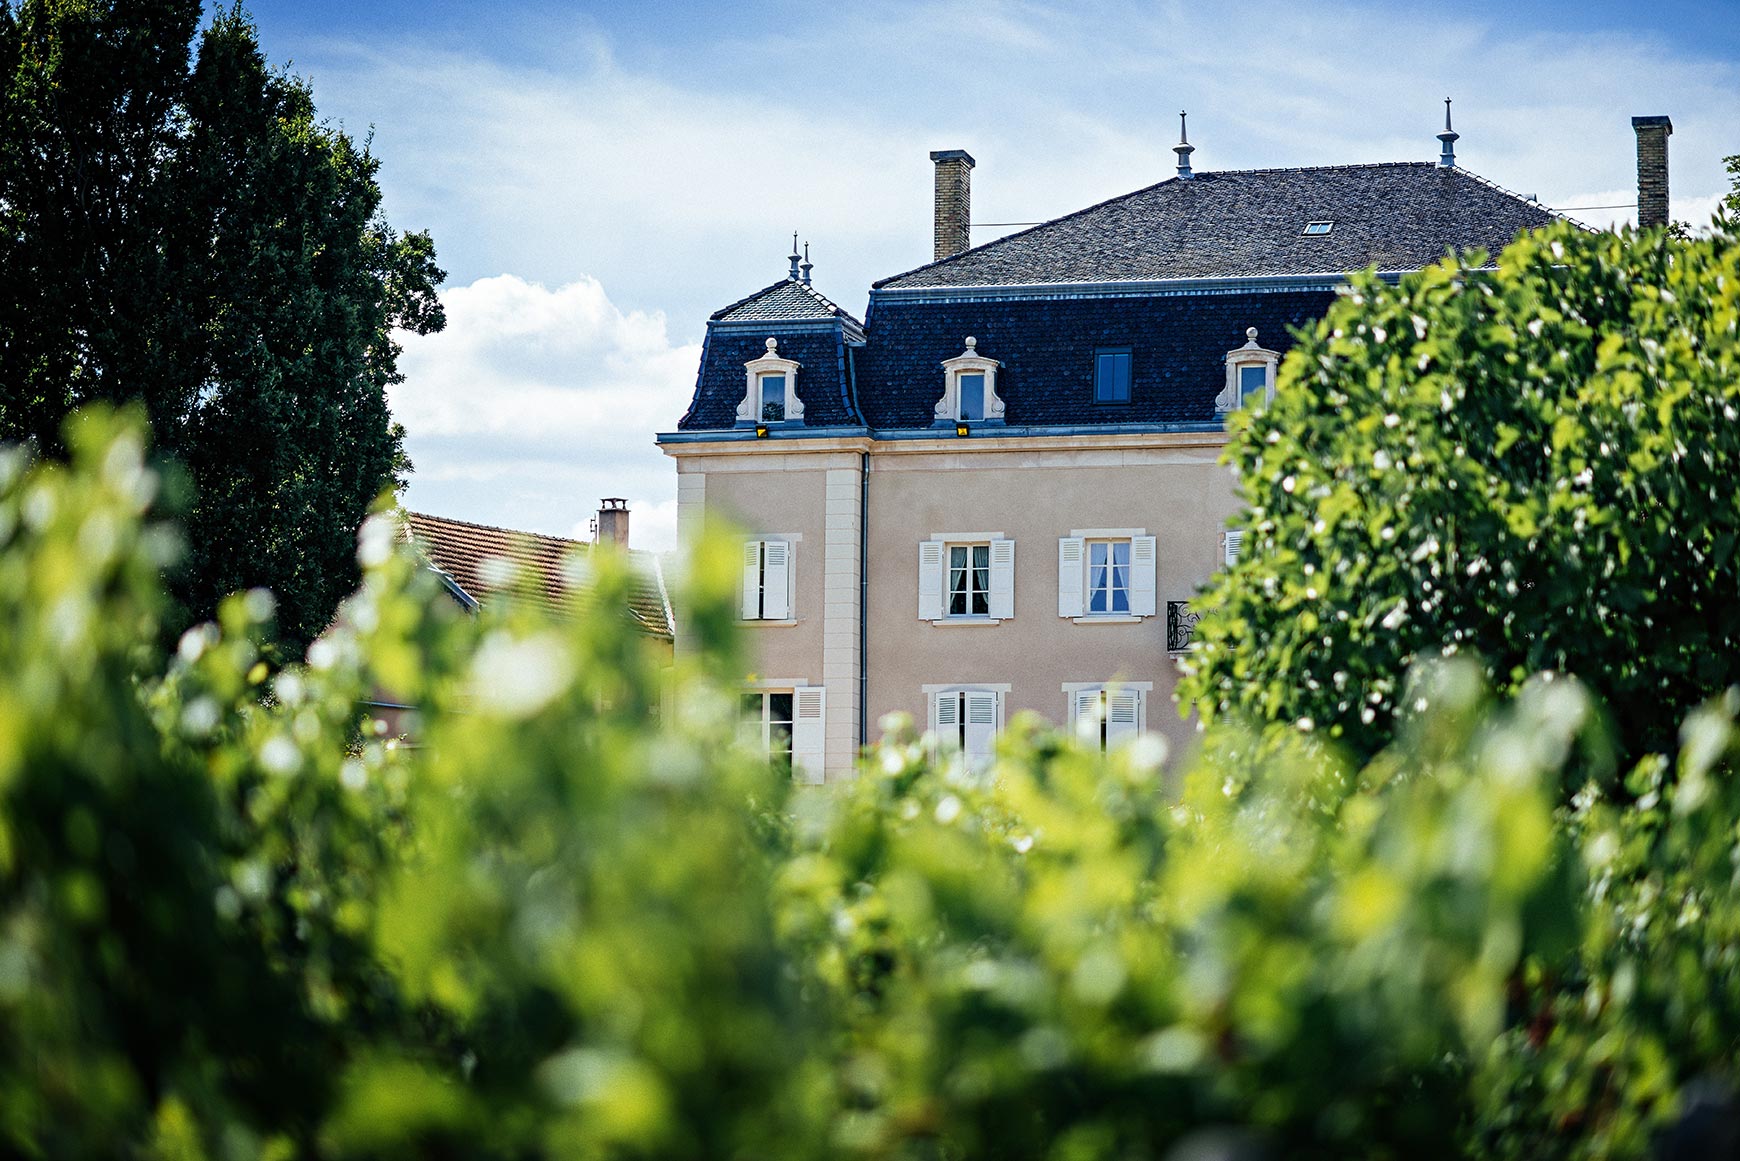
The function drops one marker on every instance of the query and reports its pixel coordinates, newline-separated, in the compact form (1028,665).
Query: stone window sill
(1108,619)
(769,624)
(965,622)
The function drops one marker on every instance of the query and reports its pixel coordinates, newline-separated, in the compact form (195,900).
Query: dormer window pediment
(770,391)
(1250,376)
(969,389)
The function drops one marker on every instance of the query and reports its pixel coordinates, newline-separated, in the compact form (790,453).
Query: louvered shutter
(1235,540)
(930,580)
(1085,713)
(1123,715)
(809,734)
(1002,578)
(945,720)
(981,730)
(776,581)
(1070,575)
(752,580)
(1142,576)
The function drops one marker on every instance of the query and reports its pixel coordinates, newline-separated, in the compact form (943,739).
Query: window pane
(1120,585)
(957,581)
(772,398)
(972,396)
(981,580)
(1253,385)
(779,708)
(1112,377)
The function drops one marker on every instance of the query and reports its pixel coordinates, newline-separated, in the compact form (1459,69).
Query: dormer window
(770,393)
(1250,376)
(1112,375)
(773,398)
(969,389)
(1317,229)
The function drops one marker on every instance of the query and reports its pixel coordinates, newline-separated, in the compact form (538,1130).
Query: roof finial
(807,264)
(1183,149)
(1447,159)
(794,257)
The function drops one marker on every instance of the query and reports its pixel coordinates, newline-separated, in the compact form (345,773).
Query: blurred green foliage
(576,916)
(1531,464)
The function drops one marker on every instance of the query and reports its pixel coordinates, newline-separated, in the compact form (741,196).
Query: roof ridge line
(497,528)
(881,282)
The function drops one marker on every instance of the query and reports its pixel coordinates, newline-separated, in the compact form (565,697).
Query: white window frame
(770,363)
(933,578)
(753,607)
(968,362)
(970,741)
(1231,397)
(1073,575)
(808,725)
(1110,728)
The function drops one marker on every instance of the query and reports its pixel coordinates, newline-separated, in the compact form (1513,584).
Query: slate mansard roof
(1251,223)
(466,555)
(1175,272)
(785,301)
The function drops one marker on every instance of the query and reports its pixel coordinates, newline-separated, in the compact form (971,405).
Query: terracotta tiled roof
(468,555)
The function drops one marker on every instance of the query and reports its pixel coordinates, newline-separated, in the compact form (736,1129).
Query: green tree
(582,918)
(180,230)
(1532,465)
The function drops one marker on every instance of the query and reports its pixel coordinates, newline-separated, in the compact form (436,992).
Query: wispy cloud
(534,403)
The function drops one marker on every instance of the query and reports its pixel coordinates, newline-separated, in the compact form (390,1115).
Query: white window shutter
(1142,576)
(1070,573)
(752,580)
(982,724)
(776,582)
(1234,541)
(930,580)
(809,733)
(1123,715)
(1002,578)
(945,716)
(1084,707)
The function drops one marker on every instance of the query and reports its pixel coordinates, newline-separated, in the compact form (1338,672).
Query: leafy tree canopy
(178,229)
(1531,464)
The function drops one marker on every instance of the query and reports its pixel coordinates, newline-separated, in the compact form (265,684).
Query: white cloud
(534,403)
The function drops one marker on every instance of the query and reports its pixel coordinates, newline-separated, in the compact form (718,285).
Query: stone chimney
(954,201)
(613,522)
(1652,169)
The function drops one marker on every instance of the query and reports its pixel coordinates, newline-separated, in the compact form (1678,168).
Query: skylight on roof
(1317,229)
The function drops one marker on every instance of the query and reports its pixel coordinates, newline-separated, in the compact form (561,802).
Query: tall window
(767,580)
(972,388)
(1108,576)
(767,722)
(969,580)
(1253,384)
(967,721)
(773,398)
(1112,376)
(1108,714)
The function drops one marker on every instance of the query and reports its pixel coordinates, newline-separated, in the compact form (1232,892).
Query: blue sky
(599,177)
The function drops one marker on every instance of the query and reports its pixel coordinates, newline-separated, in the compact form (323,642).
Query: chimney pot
(1652,169)
(954,201)
(613,521)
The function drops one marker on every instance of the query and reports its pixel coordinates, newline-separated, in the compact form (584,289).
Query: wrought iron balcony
(1180,626)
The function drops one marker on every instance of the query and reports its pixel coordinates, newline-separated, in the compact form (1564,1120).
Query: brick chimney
(954,201)
(613,522)
(1652,169)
